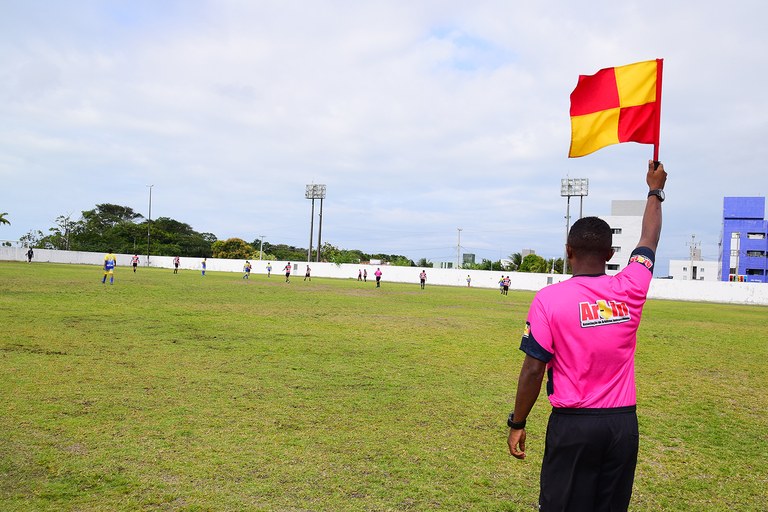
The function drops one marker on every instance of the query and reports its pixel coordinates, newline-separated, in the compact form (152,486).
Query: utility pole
(66,230)
(693,244)
(458,251)
(149,221)
(261,247)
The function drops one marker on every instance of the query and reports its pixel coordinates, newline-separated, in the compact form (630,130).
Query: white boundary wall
(672,289)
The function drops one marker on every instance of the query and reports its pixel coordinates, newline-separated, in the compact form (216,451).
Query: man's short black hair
(590,235)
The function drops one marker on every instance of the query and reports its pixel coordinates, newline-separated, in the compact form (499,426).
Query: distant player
(287,270)
(423,278)
(365,275)
(135,262)
(269,269)
(176,262)
(378,277)
(247,270)
(469,280)
(204,265)
(359,275)
(505,285)
(30,254)
(110,262)
(307,274)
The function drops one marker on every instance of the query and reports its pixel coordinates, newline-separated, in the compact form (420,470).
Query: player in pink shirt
(583,332)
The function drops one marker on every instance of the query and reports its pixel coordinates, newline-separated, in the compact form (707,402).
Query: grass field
(178,392)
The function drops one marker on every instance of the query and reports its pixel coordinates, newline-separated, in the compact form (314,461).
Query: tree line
(121,229)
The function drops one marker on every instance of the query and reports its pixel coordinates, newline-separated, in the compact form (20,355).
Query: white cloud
(420,118)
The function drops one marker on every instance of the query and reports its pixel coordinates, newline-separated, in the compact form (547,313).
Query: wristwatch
(658,193)
(515,425)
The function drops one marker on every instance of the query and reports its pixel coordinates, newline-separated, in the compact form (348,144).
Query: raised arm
(651,231)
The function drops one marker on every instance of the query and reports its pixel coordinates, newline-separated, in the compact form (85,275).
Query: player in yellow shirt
(110,262)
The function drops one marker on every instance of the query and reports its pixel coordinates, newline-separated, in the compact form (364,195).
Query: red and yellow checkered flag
(620,104)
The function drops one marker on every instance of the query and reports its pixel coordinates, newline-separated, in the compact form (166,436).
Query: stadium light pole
(309,193)
(321,195)
(149,221)
(314,192)
(572,187)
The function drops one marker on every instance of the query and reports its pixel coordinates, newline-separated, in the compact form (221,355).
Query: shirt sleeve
(643,255)
(537,337)
(636,277)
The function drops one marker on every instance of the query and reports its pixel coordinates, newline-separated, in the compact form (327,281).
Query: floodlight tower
(572,187)
(315,192)
(321,195)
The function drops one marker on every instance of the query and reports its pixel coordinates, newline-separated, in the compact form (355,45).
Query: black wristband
(519,425)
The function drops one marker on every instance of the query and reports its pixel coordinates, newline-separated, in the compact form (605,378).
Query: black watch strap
(658,193)
(515,425)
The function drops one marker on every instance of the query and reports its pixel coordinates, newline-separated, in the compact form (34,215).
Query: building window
(755,272)
(732,270)
(701,270)
(612,267)
(685,269)
(616,248)
(616,231)
(755,254)
(756,236)
(735,234)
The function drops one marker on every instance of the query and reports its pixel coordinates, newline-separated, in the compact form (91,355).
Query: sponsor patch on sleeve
(639,258)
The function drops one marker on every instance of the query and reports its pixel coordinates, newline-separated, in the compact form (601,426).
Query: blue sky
(420,117)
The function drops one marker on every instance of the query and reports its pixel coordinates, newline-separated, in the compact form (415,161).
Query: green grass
(178,392)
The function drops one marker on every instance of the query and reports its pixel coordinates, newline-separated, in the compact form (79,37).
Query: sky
(421,118)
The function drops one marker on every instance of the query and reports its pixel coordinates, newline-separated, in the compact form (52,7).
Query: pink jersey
(585,329)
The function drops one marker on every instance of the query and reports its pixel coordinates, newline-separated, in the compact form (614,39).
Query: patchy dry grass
(178,392)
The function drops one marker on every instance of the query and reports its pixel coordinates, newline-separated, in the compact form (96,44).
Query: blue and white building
(744,254)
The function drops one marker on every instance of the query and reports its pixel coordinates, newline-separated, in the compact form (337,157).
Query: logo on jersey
(527,330)
(641,259)
(603,312)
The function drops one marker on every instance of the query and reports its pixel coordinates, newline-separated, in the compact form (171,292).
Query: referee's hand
(516,442)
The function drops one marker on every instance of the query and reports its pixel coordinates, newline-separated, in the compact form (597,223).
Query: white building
(626,221)
(696,270)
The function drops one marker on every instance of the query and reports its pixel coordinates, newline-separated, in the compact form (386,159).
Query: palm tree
(3,220)
(516,260)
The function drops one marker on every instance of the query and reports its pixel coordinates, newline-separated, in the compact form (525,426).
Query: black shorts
(589,459)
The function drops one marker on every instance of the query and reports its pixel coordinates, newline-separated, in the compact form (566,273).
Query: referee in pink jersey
(582,333)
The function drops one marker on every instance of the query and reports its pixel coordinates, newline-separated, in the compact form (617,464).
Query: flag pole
(657,128)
